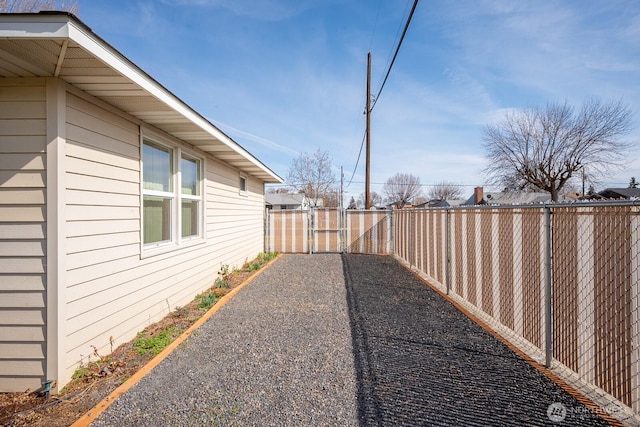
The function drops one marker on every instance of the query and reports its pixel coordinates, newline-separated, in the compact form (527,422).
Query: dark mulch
(420,361)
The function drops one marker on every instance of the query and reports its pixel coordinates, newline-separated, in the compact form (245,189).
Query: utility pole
(367,184)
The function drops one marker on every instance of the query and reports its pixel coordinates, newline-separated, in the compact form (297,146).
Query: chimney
(478,196)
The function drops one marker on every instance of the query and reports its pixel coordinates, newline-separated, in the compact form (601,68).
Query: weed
(153,345)
(222,284)
(82,372)
(207,300)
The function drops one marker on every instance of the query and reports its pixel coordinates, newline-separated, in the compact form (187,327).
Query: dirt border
(101,406)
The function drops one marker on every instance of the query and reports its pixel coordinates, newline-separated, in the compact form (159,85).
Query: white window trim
(200,198)
(177,242)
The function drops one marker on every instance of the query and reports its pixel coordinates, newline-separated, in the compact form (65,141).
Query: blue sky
(282,77)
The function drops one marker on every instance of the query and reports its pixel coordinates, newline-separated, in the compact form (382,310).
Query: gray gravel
(278,354)
(420,361)
(341,341)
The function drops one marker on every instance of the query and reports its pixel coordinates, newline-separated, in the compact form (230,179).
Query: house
(287,201)
(118,202)
(439,203)
(620,193)
(480,197)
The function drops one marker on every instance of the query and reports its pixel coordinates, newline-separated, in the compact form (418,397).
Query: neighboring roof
(283,199)
(516,198)
(57,44)
(620,193)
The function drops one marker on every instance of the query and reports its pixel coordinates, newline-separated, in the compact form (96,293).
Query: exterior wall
(22,233)
(113,290)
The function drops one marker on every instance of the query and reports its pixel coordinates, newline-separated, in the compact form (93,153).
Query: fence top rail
(618,203)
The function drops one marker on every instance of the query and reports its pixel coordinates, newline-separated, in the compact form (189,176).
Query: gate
(328,230)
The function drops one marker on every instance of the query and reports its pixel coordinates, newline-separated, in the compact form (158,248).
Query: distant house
(278,201)
(479,197)
(620,193)
(118,202)
(437,203)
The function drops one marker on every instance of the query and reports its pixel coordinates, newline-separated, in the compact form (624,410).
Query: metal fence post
(310,230)
(392,232)
(412,240)
(447,250)
(548,324)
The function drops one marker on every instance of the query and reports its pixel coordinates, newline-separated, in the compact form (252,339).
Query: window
(158,197)
(190,196)
(171,195)
(243,185)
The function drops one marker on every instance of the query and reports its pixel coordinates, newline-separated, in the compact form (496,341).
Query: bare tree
(352,203)
(312,175)
(30,6)
(402,188)
(543,148)
(331,198)
(277,190)
(375,198)
(445,190)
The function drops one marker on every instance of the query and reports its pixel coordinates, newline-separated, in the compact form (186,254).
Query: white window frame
(176,196)
(197,198)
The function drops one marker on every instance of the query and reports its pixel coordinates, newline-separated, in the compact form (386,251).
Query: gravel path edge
(102,406)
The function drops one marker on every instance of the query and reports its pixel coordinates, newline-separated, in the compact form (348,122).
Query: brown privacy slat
(471,257)
(486,246)
(612,246)
(457,247)
(565,287)
(505,250)
(531,275)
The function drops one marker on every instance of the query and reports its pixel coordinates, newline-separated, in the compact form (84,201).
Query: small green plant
(153,345)
(206,300)
(224,277)
(267,256)
(82,372)
(222,284)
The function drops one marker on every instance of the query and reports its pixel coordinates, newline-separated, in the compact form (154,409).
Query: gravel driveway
(331,340)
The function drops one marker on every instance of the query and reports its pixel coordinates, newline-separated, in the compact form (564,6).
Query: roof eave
(194,128)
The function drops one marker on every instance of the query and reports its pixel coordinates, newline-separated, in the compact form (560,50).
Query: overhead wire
(395,55)
(364,135)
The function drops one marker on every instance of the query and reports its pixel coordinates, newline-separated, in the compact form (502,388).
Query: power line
(357,161)
(404,32)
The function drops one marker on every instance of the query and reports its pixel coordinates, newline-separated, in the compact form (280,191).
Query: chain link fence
(561,282)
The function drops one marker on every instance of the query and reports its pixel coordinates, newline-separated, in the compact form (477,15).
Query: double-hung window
(190,198)
(171,195)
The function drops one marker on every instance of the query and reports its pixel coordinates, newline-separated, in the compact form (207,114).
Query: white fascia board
(47,27)
(112,58)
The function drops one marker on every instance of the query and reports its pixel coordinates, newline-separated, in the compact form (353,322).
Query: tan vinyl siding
(22,233)
(114,290)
